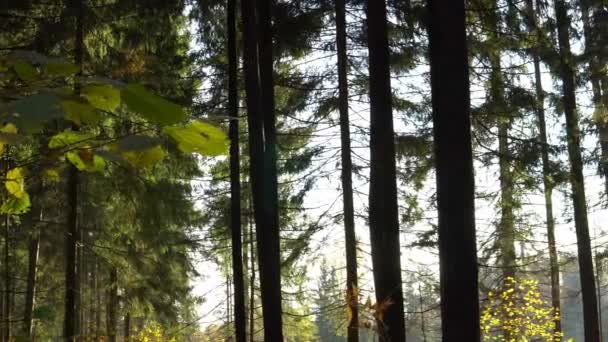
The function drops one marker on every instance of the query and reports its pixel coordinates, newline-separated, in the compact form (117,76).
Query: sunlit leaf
(15,182)
(69,138)
(25,71)
(85,160)
(16,205)
(144,158)
(137,143)
(80,112)
(199,137)
(150,106)
(103,96)
(9,136)
(33,112)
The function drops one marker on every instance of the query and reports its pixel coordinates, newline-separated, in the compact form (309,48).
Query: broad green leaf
(33,112)
(150,106)
(144,158)
(104,96)
(25,71)
(137,143)
(80,112)
(199,137)
(15,182)
(60,68)
(14,205)
(69,138)
(85,160)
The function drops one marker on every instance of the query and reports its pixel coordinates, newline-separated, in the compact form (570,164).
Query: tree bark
(257,38)
(454,165)
(585,260)
(30,293)
(128,327)
(235,184)
(347,183)
(383,208)
(8,283)
(112,315)
(547,179)
(72,235)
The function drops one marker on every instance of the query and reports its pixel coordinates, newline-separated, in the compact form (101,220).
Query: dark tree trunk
(252,285)
(8,283)
(383,208)
(547,179)
(235,184)
(269,237)
(72,234)
(347,183)
(262,148)
(30,293)
(127,327)
(585,260)
(98,301)
(112,314)
(454,163)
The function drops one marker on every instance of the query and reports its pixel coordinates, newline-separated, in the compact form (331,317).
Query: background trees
(365,144)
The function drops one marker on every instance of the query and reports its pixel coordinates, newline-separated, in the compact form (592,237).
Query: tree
(383,216)
(454,167)
(346,176)
(235,174)
(579,201)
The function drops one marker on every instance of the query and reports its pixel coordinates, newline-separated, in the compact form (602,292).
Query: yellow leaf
(15,182)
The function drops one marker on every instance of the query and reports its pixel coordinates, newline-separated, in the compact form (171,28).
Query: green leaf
(80,112)
(85,160)
(25,71)
(137,143)
(144,158)
(60,69)
(103,96)
(150,106)
(70,138)
(199,137)
(14,205)
(33,112)
(15,182)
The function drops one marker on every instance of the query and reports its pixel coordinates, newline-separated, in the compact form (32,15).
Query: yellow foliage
(517,313)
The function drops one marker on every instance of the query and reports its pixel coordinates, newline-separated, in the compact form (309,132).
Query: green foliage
(152,107)
(199,137)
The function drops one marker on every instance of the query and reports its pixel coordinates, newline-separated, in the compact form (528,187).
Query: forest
(304,170)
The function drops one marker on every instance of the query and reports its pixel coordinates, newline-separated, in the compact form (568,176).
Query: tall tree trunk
(8,283)
(262,148)
(506,226)
(383,208)
(30,293)
(269,237)
(128,327)
(235,183)
(98,301)
(544,149)
(347,183)
(251,284)
(585,260)
(71,239)
(112,314)
(454,164)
